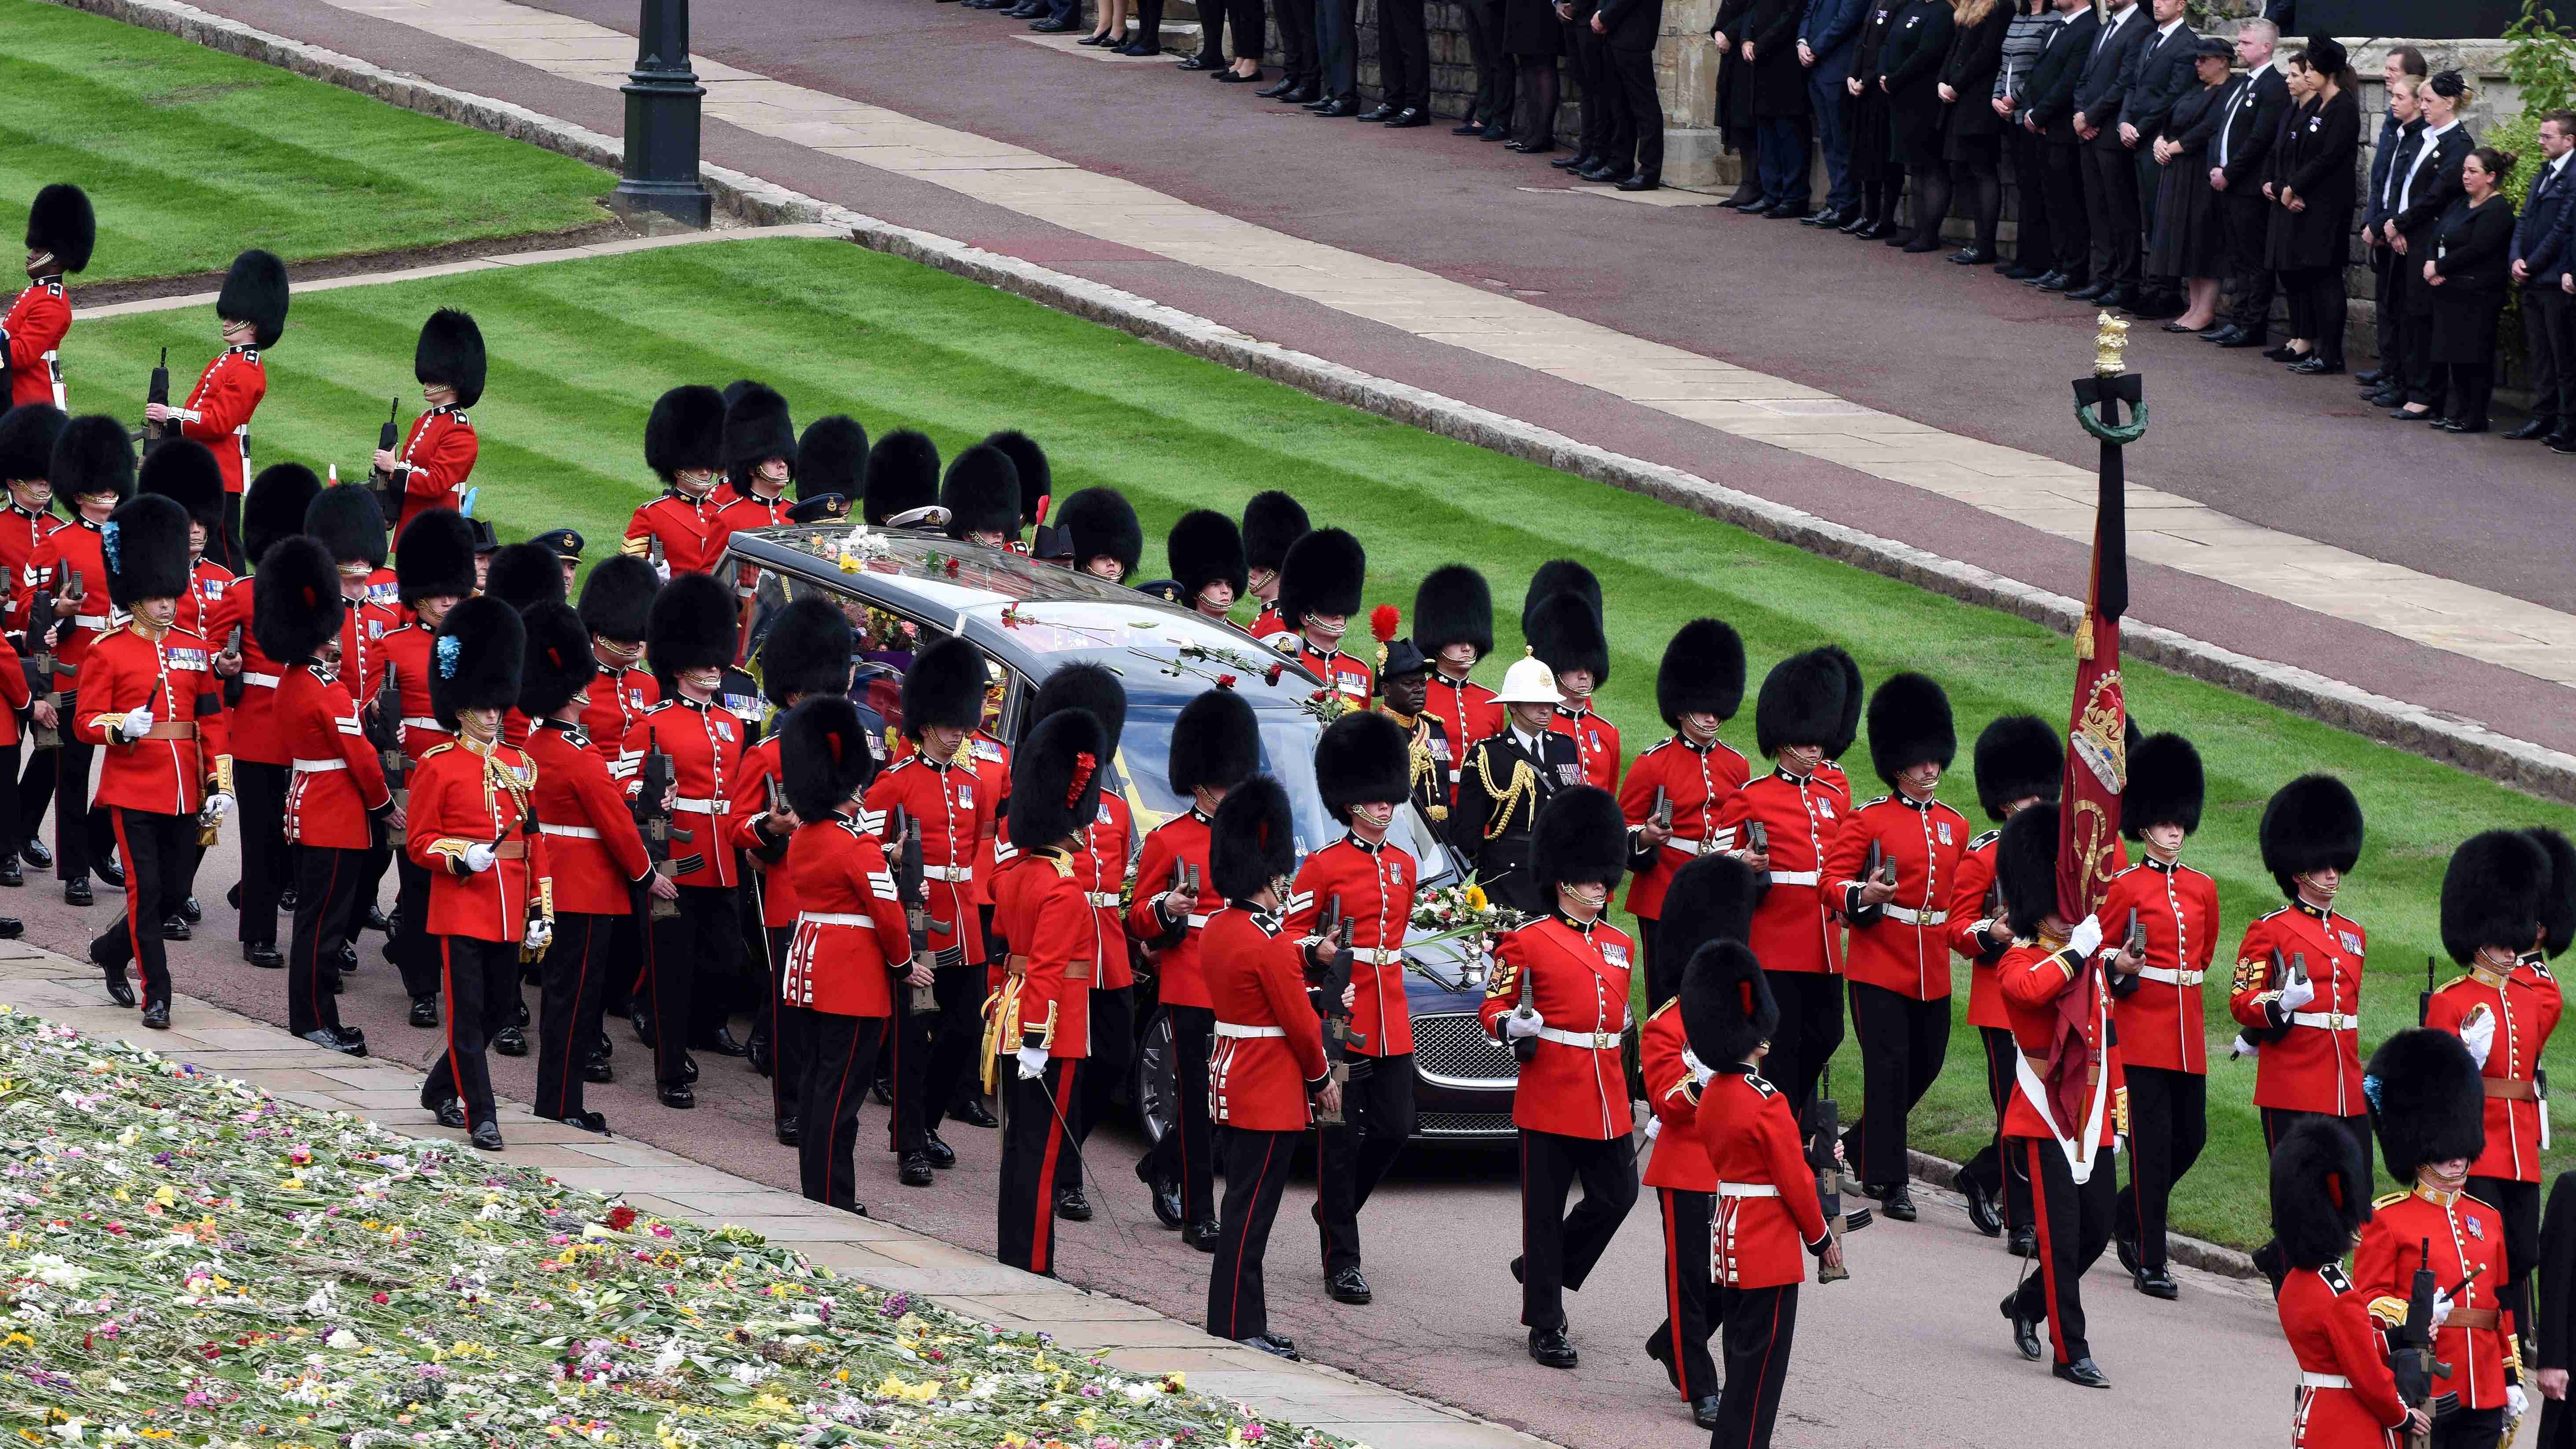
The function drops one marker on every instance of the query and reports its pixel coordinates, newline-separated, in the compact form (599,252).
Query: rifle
(1824,1134)
(158,391)
(2277,975)
(1662,814)
(912,889)
(1757,841)
(1882,870)
(73,590)
(2412,1361)
(2133,943)
(1335,978)
(2424,1001)
(653,819)
(232,689)
(385,732)
(386,437)
(39,664)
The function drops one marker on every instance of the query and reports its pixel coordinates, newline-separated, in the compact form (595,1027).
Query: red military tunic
(851,931)
(1664,1059)
(954,809)
(2525,1007)
(685,527)
(2317,1066)
(363,626)
(2329,1327)
(21,529)
(1101,870)
(73,546)
(741,511)
(14,694)
(1177,842)
(1907,948)
(1574,1085)
(1341,672)
(593,850)
(339,777)
(34,330)
(219,408)
(1269,1052)
(704,742)
(436,459)
(1971,911)
(2463,1233)
(1767,1217)
(618,698)
(754,794)
(1596,742)
(1793,928)
(1696,780)
(2160,1021)
(1046,996)
(462,796)
(207,583)
(2034,978)
(1267,623)
(253,716)
(168,771)
(405,651)
(1468,711)
(1374,884)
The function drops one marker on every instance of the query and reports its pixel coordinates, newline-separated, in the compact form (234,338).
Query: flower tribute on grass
(185,1258)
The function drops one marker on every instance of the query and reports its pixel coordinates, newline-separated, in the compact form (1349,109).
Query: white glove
(1033,1062)
(540,935)
(479,857)
(2086,939)
(2478,1035)
(2243,1048)
(1519,1024)
(2441,1307)
(2516,1402)
(1654,1126)
(663,571)
(218,805)
(2297,993)
(135,724)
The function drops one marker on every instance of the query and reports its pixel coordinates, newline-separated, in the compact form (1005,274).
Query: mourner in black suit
(1770,47)
(2046,110)
(1909,73)
(2425,191)
(2255,103)
(2160,76)
(1875,174)
(2314,170)
(2110,176)
(2400,137)
(1404,66)
(1630,28)
(2539,259)
(2465,271)
(1972,147)
(2553,1334)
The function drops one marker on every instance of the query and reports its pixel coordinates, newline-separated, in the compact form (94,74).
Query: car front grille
(1456,1051)
(1464,1124)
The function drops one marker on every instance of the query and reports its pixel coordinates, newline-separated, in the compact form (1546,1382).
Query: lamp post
(661,184)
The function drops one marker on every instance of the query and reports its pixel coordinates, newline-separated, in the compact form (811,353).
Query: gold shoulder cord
(1524,786)
(1424,768)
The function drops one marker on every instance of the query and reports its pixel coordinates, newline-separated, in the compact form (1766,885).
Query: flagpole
(2097,720)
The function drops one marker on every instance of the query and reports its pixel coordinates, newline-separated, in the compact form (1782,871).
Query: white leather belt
(1198,922)
(1247,1033)
(1793,877)
(264,681)
(1692,848)
(1379,957)
(702,807)
(319,767)
(1747,1189)
(92,621)
(1106,900)
(2171,977)
(2323,1381)
(2328,1020)
(571,832)
(832,918)
(1598,1041)
(423,722)
(1917,918)
(953,874)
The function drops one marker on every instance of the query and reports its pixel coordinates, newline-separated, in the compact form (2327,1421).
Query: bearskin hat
(2320,1193)
(982,493)
(823,755)
(2026,867)
(255,292)
(1702,672)
(2165,785)
(1086,686)
(756,428)
(1846,728)
(1271,522)
(807,651)
(434,558)
(1554,577)
(91,455)
(1453,605)
(2310,823)
(297,607)
(524,575)
(1204,548)
(617,598)
(2018,756)
(1909,723)
(1363,757)
(945,686)
(1801,703)
(1581,839)
(1029,465)
(902,475)
(146,544)
(685,432)
(275,506)
(349,522)
(2558,903)
(1710,899)
(183,471)
(450,351)
(1565,633)
(27,434)
(1056,777)
(2493,893)
(831,458)
(1323,574)
(1102,521)
(475,661)
(691,625)
(1216,742)
(1251,842)
(2426,1104)
(558,661)
(1726,1004)
(60,221)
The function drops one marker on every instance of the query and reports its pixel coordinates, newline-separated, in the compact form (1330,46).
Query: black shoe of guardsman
(787,1131)
(1660,1349)
(2083,1372)
(1348,1286)
(1550,1347)
(1897,1202)
(587,1122)
(2157,1283)
(1704,1411)
(510,1041)
(174,927)
(941,1155)
(1273,1345)
(77,893)
(597,1068)
(914,1170)
(451,1113)
(1070,1203)
(264,955)
(2025,1330)
(157,1016)
(112,873)
(2022,1242)
(424,1011)
(486,1136)
(678,1098)
(1981,1208)
(1203,1235)
(193,911)
(119,990)
(1163,1192)
(34,853)
(974,1113)
(345,1041)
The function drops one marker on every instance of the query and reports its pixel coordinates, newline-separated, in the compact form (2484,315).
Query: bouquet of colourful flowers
(1455,912)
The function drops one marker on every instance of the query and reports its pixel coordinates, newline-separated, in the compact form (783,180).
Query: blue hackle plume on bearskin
(107,543)
(448,648)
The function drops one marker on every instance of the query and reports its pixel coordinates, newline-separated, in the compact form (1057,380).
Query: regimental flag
(2097,723)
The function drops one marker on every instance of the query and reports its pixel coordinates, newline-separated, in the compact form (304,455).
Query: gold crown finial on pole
(2110,341)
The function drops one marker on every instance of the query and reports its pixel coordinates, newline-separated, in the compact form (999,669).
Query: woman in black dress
(1881,180)
(1735,99)
(2282,160)
(2467,276)
(2318,190)
(1534,36)
(2189,241)
(1909,74)
(1973,138)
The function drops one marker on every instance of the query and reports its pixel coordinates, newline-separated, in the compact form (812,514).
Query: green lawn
(580,350)
(190,155)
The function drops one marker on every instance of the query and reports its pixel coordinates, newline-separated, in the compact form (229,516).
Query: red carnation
(1225,681)
(621,1217)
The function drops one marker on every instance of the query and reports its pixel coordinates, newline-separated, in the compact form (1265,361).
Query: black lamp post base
(660,208)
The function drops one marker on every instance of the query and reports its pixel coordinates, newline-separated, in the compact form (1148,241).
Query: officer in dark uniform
(1505,780)
(1404,686)
(565,544)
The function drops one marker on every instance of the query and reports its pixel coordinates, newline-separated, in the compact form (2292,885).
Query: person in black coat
(1879,180)
(1770,47)
(1629,28)
(2253,107)
(2318,177)
(1918,44)
(1601,119)
(2046,109)
(1404,66)
(2188,242)
(2159,77)
(2553,1334)
(2110,178)
(1490,110)
(2026,41)
(2425,190)
(1825,45)
(1534,35)
(1735,102)
(2465,272)
(1972,135)
(2538,259)
(2401,68)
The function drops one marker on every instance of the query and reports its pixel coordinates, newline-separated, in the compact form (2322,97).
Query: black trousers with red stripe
(1033,1140)
(2002,1177)
(690,958)
(1681,1340)
(266,858)
(415,950)
(1756,1326)
(790,1034)
(1113,1050)
(156,849)
(1811,1030)
(1256,1172)
(1559,1248)
(1903,1043)
(327,886)
(1185,1154)
(481,979)
(2074,1226)
(71,800)
(575,974)
(1350,1160)
(933,1051)
(840,1061)
(2168,1125)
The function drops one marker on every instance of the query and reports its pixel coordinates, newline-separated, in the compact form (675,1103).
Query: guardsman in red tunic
(1205,551)
(149,702)
(2495,905)
(690,637)
(2068,1105)
(2307,1027)
(252,310)
(1453,623)
(2347,1396)
(1794,929)
(759,462)
(471,819)
(1561,984)
(1096,533)
(433,572)
(27,437)
(1272,523)
(684,443)
(1898,959)
(1363,767)
(2156,996)
(1216,745)
(273,509)
(1847,731)
(594,854)
(1687,777)
(188,477)
(61,232)
(983,497)
(1565,631)
(338,802)
(616,605)
(1319,591)
(93,467)
(2429,1114)
(1269,1073)
(943,701)
(1041,1023)
(2019,762)
(436,458)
